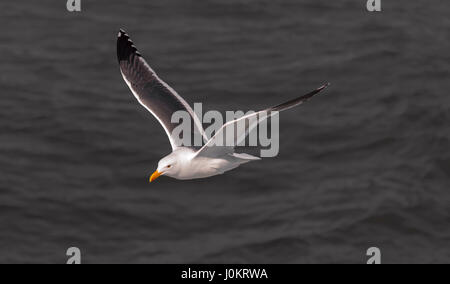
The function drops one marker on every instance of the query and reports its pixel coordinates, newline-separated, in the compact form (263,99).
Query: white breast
(202,167)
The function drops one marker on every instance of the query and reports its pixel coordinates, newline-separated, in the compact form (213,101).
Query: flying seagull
(162,101)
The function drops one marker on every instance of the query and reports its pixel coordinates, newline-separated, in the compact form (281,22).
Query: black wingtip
(122,34)
(313,93)
(324,86)
(299,100)
(125,47)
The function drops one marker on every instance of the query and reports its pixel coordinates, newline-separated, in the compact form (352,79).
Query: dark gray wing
(153,93)
(249,122)
(297,101)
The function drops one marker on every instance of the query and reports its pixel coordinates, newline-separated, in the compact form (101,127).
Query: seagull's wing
(153,93)
(249,122)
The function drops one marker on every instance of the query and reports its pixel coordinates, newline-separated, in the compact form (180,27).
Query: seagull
(185,163)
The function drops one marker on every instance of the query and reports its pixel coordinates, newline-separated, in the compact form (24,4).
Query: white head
(170,165)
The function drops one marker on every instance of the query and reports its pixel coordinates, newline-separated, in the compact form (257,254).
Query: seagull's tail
(245,157)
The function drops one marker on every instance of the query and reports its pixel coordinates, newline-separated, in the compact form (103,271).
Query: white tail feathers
(245,157)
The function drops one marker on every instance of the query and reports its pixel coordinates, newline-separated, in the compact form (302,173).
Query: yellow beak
(155,175)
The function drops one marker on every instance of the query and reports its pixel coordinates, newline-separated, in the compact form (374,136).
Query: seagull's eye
(169,166)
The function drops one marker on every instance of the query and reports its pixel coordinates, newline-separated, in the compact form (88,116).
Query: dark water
(366,164)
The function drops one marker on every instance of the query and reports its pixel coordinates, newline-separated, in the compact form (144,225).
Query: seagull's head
(166,166)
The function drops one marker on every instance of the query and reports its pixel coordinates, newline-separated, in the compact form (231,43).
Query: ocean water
(364,164)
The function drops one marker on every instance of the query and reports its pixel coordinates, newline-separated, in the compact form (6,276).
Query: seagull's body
(191,166)
(162,101)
